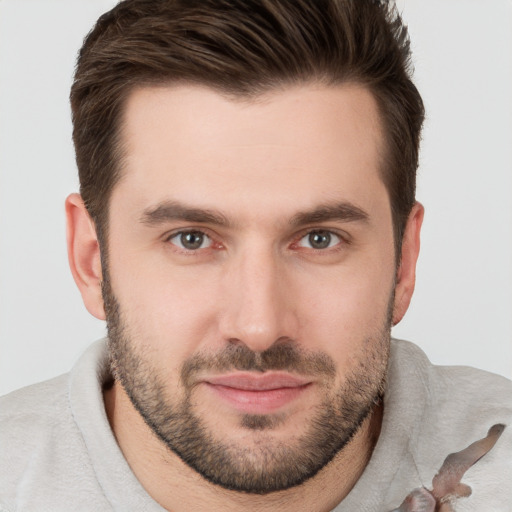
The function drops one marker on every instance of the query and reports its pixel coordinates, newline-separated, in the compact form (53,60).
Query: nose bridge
(259,311)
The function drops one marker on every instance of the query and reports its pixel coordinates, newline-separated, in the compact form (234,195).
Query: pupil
(320,240)
(192,240)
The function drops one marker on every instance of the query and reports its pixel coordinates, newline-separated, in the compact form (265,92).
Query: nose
(259,309)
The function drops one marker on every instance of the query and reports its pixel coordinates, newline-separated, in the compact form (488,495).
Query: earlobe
(84,255)
(406,273)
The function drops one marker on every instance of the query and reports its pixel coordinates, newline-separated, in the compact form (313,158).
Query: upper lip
(258,382)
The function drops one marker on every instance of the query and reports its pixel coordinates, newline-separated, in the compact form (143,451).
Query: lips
(258,394)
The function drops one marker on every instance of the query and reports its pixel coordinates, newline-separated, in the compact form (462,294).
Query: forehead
(300,144)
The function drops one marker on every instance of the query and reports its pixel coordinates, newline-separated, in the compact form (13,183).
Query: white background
(462,310)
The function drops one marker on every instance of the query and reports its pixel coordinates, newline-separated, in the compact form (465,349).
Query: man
(247,226)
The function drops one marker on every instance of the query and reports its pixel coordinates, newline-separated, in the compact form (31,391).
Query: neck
(177,487)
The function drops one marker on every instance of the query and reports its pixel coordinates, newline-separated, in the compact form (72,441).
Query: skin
(259,165)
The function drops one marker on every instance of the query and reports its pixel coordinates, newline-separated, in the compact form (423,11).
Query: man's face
(251,276)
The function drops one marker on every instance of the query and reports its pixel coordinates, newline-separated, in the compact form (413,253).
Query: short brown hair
(243,48)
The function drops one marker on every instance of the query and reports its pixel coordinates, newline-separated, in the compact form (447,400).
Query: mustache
(283,356)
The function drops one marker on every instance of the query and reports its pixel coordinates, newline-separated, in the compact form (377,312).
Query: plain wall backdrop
(462,309)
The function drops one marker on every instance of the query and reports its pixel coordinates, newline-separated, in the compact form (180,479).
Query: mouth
(258,394)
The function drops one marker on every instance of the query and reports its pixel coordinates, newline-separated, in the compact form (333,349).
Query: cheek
(347,306)
(169,311)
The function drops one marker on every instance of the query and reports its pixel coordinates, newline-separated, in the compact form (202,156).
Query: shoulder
(450,405)
(32,413)
(471,385)
(456,406)
(44,458)
(31,420)
(33,400)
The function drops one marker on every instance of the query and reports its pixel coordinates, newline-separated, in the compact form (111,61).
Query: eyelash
(343,240)
(184,250)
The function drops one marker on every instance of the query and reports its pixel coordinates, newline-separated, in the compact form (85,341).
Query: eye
(319,239)
(191,240)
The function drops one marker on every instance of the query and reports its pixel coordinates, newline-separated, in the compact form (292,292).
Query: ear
(406,273)
(84,255)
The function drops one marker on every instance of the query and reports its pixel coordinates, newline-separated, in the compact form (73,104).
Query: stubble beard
(265,465)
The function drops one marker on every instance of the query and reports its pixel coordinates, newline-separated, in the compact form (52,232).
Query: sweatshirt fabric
(58,452)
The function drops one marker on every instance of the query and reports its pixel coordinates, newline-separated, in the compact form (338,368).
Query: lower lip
(258,402)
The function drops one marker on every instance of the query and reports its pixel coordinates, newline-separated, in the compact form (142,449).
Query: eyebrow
(342,211)
(173,210)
